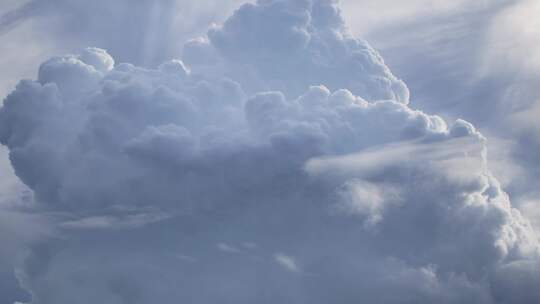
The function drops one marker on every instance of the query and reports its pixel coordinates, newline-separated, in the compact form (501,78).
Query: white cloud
(362,198)
(112,222)
(287,262)
(227,248)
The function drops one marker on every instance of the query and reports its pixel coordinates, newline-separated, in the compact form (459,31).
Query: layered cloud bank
(278,161)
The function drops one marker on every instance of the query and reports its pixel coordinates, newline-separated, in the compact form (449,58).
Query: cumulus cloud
(278,142)
(474,60)
(310,45)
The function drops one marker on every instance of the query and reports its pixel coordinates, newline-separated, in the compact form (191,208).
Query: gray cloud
(280,161)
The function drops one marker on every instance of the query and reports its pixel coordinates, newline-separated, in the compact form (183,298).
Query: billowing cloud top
(290,45)
(278,162)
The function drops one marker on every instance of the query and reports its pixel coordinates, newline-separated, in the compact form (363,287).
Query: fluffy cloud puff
(310,45)
(497,90)
(281,163)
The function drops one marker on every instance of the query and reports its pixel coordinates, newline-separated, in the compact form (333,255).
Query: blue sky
(297,151)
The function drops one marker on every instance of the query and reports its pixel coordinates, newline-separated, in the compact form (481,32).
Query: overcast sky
(306,151)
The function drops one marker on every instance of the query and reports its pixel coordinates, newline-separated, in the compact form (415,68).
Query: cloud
(112,222)
(278,131)
(514,31)
(227,248)
(469,60)
(148,33)
(287,262)
(310,46)
(18,231)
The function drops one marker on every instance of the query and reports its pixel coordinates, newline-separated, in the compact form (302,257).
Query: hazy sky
(296,151)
